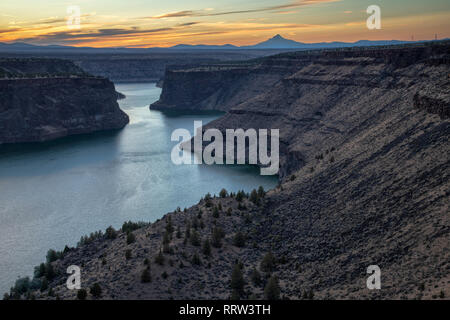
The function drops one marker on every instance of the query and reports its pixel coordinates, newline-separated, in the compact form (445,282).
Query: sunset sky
(148,23)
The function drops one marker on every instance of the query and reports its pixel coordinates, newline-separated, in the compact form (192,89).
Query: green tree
(44,284)
(256,277)
(223,193)
(110,233)
(272,289)
(215,213)
(146,276)
(261,192)
(206,249)
(96,290)
(131,238)
(254,196)
(195,239)
(268,262)
(169,226)
(81,294)
(237,280)
(52,256)
(239,239)
(216,237)
(159,259)
(196,259)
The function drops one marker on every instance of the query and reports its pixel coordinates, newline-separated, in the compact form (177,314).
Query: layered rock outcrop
(52,99)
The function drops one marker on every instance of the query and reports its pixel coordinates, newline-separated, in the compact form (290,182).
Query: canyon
(364,180)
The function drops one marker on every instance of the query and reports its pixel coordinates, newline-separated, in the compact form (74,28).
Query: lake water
(53,193)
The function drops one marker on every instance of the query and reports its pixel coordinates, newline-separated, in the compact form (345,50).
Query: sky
(150,23)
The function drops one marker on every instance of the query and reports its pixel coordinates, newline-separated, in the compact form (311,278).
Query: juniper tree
(272,289)
(81,294)
(254,196)
(96,290)
(206,249)
(256,277)
(195,239)
(131,238)
(237,280)
(261,192)
(146,276)
(223,193)
(215,213)
(239,239)
(159,259)
(110,233)
(268,262)
(196,259)
(216,237)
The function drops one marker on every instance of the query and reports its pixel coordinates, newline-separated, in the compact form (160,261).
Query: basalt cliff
(45,99)
(364,180)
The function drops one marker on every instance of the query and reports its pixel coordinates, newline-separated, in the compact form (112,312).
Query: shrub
(146,276)
(240,196)
(49,271)
(196,259)
(164,275)
(159,259)
(195,239)
(254,196)
(96,290)
(272,289)
(22,285)
(293,177)
(166,238)
(178,232)
(110,233)
(215,213)
(82,294)
(169,226)
(131,238)
(44,284)
(128,254)
(239,239)
(206,249)
(268,262)
(229,211)
(52,255)
(39,271)
(261,192)
(256,277)
(131,226)
(223,193)
(217,235)
(237,279)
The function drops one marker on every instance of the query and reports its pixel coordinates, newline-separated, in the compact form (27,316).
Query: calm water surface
(53,193)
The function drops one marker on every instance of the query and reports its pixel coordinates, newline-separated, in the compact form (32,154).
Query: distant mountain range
(277,42)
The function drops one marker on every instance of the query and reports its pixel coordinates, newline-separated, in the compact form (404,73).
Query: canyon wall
(52,99)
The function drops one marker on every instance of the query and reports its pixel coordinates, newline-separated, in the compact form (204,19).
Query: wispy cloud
(209,13)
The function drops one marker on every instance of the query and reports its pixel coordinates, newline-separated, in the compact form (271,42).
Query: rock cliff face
(52,99)
(365,180)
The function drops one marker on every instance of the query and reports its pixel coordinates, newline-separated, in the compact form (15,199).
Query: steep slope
(47,99)
(364,181)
